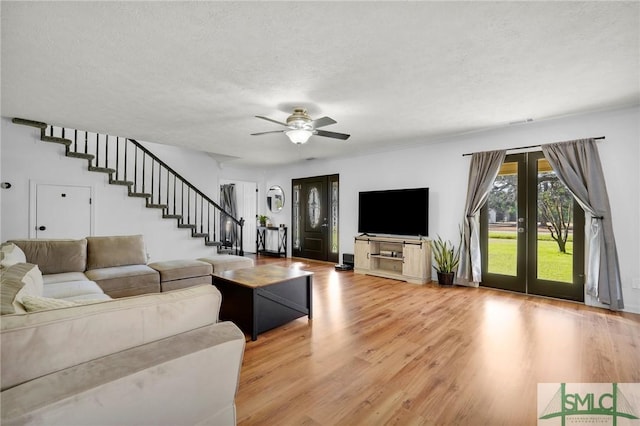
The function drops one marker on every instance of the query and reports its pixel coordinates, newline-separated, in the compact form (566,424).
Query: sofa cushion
(10,254)
(64,277)
(171,270)
(184,283)
(127,280)
(228,262)
(71,336)
(55,256)
(106,252)
(66,290)
(16,282)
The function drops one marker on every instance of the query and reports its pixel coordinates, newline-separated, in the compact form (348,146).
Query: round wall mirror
(275,199)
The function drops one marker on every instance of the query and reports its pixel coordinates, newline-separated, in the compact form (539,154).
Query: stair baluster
(157,193)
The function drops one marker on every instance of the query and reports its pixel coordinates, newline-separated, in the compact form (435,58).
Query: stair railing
(130,164)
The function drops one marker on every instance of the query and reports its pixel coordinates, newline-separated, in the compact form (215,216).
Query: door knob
(41,228)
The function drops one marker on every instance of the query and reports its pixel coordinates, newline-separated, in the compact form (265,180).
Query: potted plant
(263,220)
(446,259)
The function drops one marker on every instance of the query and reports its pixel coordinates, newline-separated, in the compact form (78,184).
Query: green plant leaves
(446,257)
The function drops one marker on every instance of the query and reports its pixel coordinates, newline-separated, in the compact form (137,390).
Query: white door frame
(33,200)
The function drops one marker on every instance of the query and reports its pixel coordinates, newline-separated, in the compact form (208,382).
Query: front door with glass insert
(314,227)
(532,231)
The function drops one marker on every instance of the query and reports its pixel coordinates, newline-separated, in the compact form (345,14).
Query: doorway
(246,197)
(61,211)
(532,231)
(314,217)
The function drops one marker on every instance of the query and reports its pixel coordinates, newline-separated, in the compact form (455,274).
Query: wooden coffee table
(264,297)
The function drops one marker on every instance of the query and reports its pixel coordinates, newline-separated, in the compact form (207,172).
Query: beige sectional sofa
(155,359)
(72,355)
(117,264)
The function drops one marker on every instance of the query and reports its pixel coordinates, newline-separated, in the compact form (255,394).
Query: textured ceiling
(390,73)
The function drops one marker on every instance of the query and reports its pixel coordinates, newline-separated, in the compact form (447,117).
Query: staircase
(129,164)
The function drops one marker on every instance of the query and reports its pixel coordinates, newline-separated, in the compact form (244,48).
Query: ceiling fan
(300,127)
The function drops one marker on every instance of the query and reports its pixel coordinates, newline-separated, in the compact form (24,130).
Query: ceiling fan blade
(334,135)
(324,121)
(264,133)
(273,121)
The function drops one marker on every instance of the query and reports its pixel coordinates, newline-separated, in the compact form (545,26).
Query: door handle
(41,228)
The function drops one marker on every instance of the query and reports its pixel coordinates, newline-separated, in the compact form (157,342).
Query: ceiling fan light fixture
(298,136)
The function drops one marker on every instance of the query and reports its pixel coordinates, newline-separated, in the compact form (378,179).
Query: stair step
(139,194)
(38,124)
(121,182)
(156,206)
(56,139)
(213,243)
(172,216)
(80,155)
(186,226)
(101,169)
(199,235)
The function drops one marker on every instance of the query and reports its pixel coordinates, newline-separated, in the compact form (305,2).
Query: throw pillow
(38,303)
(33,284)
(10,254)
(15,282)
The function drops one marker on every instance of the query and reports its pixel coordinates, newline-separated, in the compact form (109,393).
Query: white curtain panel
(577,165)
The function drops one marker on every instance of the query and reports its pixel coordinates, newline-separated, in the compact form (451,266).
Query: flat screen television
(394,212)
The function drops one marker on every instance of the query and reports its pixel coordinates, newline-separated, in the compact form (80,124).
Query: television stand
(397,258)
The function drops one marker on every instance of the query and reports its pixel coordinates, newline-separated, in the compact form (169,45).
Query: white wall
(441,167)
(24,158)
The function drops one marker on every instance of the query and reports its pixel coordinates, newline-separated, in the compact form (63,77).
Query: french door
(532,231)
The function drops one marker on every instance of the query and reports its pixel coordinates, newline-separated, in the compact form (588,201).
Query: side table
(281,237)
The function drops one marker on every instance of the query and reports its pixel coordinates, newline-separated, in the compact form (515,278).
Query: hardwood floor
(380,351)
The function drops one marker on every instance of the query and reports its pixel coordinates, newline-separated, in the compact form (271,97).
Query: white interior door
(62,211)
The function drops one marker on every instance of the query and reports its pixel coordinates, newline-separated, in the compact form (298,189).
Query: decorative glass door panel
(314,208)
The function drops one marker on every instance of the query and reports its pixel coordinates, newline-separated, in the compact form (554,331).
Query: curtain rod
(533,146)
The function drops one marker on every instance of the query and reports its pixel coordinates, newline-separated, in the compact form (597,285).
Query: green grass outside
(505,235)
(552,264)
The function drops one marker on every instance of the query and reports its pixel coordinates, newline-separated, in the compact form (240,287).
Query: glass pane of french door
(554,226)
(532,231)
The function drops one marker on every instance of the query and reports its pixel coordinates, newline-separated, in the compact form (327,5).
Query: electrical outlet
(635,283)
